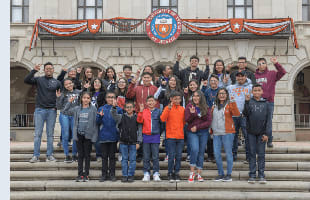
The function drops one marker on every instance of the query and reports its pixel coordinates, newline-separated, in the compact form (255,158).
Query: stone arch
(21,64)
(294,72)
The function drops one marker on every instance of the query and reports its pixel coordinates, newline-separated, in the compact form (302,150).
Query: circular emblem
(163,26)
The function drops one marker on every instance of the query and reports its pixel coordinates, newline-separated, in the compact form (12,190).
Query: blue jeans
(198,142)
(186,140)
(42,115)
(227,142)
(66,123)
(240,122)
(128,153)
(175,151)
(256,146)
(270,113)
(150,149)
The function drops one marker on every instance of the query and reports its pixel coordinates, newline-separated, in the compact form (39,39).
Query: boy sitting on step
(258,126)
(130,139)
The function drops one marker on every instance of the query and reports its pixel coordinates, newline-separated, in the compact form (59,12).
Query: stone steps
(69,185)
(238,165)
(206,195)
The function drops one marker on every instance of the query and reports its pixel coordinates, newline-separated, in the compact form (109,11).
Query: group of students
(136,110)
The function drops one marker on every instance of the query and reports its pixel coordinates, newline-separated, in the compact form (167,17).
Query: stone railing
(302,120)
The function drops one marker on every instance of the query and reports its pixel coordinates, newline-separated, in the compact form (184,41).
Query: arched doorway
(302,104)
(22,98)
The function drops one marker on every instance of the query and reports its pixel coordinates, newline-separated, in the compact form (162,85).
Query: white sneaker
(119,157)
(146,178)
(166,159)
(156,177)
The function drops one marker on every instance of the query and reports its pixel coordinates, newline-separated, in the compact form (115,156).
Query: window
(305,10)
(19,11)
(240,9)
(166,4)
(89,9)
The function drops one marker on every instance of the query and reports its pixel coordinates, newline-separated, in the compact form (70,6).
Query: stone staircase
(287,172)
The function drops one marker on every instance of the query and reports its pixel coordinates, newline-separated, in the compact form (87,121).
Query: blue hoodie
(210,95)
(239,92)
(107,126)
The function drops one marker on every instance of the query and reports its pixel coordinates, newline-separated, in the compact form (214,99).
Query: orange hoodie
(231,110)
(175,121)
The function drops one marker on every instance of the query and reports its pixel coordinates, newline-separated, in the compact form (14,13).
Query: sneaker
(131,179)
(74,158)
(50,159)
(166,159)
(139,159)
(99,159)
(103,178)
(269,144)
(171,178)
(199,178)
(146,178)
(188,158)
(113,178)
(85,179)
(156,177)
(68,159)
(246,161)
(251,180)
(124,179)
(59,144)
(79,179)
(219,178)
(119,157)
(235,157)
(34,159)
(191,177)
(262,180)
(177,178)
(227,178)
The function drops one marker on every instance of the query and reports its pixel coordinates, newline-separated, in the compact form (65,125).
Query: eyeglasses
(129,106)
(121,82)
(262,63)
(110,97)
(222,93)
(241,62)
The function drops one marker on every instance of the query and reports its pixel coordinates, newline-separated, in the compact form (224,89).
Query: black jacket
(258,119)
(127,127)
(76,81)
(46,89)
(184,74)
(250,75)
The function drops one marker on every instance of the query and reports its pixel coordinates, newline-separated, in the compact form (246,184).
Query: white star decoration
(94,26)
(236,25)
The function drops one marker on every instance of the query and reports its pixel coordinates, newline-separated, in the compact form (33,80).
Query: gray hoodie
(218,121)
(65,97)
(239,92)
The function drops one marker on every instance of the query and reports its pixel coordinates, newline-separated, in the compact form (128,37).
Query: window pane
(26,14)
(90,13)
(99,3)
(174,9)
(99,13)
(81,2)
(249,13)
(230,13)
(239,2)
(174,2)
(164,2)
(249,2)
(17,14)
(90,3)
(304,1)
(230,2)
(305,13)
(80,13)
(17,2)
(155,3)
(239,12)
(26,2)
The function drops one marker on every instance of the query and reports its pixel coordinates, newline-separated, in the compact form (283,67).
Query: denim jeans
(140,150)
(42,115)
(128,154)
(227,142)
(240,122)
(175,152)
(256,146)
(66,124)
(198,142)
(270,108)
(186,140)
(150,149)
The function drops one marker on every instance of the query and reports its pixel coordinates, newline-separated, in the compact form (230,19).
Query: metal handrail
(302,120)
(21,120)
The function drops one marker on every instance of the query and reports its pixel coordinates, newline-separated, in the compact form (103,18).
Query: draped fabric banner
(206,27)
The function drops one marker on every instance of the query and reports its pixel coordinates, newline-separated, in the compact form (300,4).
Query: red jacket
(175,121)
(141,92)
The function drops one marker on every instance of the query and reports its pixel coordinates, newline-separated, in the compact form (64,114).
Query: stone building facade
(290,98)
